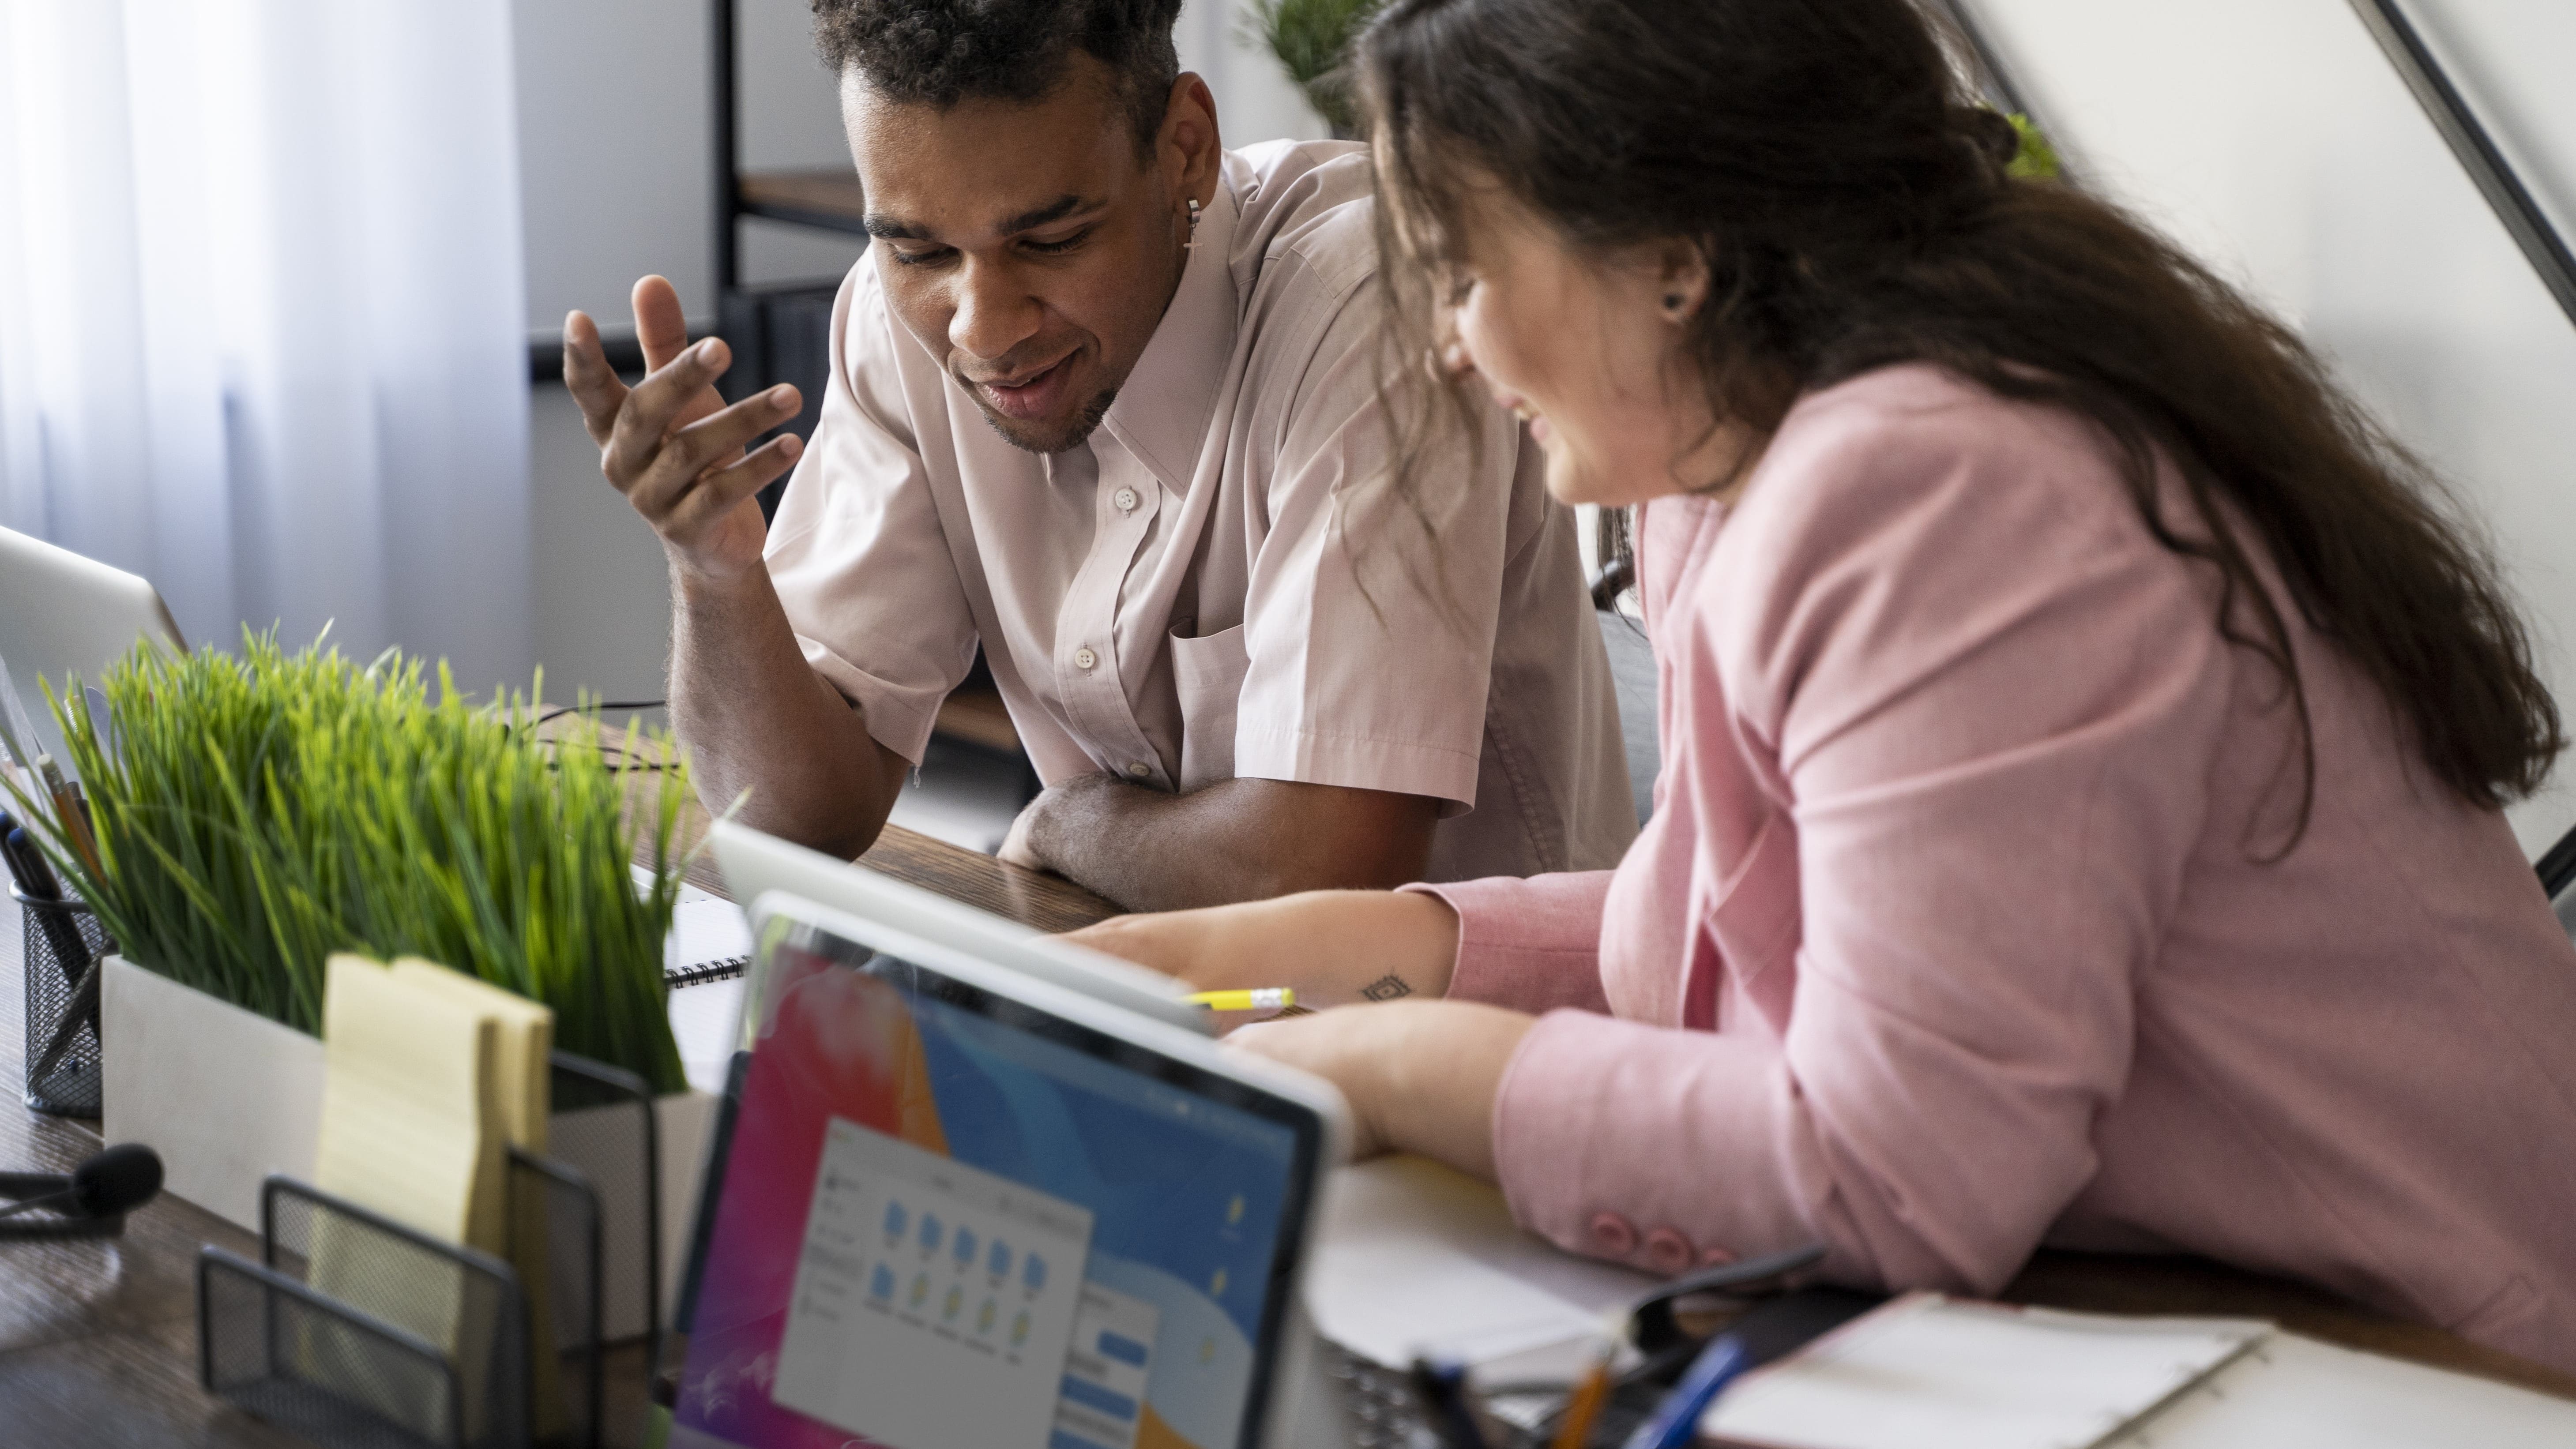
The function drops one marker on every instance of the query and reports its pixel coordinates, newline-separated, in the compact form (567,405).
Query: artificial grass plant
(254,814)
(1312,41)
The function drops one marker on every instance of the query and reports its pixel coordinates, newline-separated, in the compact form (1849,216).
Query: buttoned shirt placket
(1088,667)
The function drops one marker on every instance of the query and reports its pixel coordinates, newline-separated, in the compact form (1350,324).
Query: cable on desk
(559,711)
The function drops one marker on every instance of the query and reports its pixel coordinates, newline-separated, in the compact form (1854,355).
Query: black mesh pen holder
(356,1332)
(64,942)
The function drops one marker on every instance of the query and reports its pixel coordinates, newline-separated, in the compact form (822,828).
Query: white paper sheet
(706,1020)
(2296,1393)
(1413,1257)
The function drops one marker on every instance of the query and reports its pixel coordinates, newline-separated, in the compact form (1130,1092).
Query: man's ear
(1187,146)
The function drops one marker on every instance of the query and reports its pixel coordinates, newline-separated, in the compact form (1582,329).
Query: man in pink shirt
(1103,399)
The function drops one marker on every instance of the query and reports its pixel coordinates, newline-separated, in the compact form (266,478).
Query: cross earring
(1194,225)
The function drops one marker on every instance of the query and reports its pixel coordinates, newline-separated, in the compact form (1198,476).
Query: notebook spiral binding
(722,969)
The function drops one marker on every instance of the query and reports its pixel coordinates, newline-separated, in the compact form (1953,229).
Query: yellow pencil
(1266,998)
(1574,1431)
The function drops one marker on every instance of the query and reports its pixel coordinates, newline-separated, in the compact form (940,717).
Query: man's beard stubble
(1062,442)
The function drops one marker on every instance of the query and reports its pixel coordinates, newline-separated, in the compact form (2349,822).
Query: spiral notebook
(710,939)
(1929,1372)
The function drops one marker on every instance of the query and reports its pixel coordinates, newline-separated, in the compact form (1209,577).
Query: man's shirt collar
(1169,399)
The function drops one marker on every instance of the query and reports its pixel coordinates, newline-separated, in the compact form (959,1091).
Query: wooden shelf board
(977,716)
(829,198)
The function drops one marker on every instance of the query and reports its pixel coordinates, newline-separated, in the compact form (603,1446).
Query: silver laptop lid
(62,614)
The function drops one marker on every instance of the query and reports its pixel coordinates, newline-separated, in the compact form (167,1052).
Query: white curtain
(261,301)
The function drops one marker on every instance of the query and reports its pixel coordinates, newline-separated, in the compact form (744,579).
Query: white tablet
(755,864)
(953,1206)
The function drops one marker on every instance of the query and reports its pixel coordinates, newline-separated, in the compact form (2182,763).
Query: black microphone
(108,1185)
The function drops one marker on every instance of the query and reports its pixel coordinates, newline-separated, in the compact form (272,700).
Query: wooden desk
(98,1339)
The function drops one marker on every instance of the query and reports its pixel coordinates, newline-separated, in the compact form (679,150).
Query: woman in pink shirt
(2083,738)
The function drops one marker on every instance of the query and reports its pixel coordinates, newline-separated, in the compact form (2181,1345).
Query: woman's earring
(1675,304)
(1194,225)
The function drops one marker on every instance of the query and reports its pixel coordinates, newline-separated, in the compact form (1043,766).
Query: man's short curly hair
(940,52)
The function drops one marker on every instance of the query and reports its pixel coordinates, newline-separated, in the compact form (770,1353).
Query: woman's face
(1588,350)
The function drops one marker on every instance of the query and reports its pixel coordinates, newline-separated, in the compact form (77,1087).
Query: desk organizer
(605,1127)
(63,942)
(229,1097)
(355,1332)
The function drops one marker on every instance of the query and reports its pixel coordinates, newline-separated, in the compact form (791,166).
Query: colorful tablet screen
(947,1221)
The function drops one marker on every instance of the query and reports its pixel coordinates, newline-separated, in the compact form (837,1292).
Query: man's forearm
(1242,840)
(761,726)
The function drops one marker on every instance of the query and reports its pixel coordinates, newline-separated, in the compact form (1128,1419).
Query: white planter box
(228,1097)
(225,1096)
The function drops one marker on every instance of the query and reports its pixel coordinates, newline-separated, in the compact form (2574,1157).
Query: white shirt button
(1140,769)
(1125,498)
(1084,659)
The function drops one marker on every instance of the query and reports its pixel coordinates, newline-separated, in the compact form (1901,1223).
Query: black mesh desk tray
(357,1331)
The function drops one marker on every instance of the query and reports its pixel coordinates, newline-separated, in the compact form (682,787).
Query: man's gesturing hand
(671,445)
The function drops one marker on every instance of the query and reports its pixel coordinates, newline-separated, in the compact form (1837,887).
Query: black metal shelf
(2475,150)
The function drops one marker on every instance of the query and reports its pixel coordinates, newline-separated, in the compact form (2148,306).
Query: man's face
(1028,245)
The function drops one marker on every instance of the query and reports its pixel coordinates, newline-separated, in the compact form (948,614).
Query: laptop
(755,864)
(62,614)
(952,1205)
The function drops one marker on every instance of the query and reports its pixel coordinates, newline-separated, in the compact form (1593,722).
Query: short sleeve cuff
(1317,757)
(899,719)
(1528,944)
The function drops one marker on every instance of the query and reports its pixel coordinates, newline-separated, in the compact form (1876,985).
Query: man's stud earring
(1673,302)
(1194,225)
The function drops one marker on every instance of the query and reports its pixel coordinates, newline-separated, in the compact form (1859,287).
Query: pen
(71,823)
(71,813)
(1442,1388)
(1676,1420)
(12,842)
(1264,998)
(1583,1407)
(36,882)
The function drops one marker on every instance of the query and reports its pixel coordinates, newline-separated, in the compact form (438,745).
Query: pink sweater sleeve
(1987,701)
(1532,945)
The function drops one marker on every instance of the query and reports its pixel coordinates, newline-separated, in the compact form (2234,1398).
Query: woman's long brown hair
(1855,212)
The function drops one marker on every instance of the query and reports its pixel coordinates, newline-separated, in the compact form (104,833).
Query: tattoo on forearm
(1386,988)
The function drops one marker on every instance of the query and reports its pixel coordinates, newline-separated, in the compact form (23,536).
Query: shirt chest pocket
(1208,673)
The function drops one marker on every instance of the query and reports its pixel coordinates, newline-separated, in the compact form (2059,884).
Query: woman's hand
(1333,947)
(1421,1076)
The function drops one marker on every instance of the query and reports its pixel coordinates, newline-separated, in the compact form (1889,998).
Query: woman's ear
(1681,280)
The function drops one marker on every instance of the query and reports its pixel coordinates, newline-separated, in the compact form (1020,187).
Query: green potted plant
(1312,41)
(253,814)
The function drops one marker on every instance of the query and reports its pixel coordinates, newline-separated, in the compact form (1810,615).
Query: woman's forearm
(1333,947)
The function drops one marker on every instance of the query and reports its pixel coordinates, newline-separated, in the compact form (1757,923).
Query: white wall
(1255,100)
(2273,138)
(616,160)
(616,169)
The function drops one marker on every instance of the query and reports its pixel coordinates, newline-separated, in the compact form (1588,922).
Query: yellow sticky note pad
(524,1044)
(409,1074)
